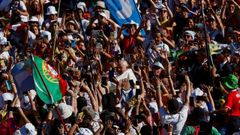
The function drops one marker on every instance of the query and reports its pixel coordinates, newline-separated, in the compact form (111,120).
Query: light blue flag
(124,11)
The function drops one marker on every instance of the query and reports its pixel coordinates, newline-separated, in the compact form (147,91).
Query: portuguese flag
(49,84)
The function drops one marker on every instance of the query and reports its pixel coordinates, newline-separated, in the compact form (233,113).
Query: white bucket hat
(64,110)
(51,10)
(82,6)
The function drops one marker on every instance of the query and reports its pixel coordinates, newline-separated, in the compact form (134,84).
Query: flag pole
(49,94)
(209,56)
(56,32)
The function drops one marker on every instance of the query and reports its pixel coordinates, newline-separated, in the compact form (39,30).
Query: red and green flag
(49,85)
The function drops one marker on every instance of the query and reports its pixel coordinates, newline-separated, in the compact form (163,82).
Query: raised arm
(188,83)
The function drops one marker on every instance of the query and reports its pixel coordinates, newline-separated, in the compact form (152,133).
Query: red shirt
(233,103)
(128,43)
(8,127)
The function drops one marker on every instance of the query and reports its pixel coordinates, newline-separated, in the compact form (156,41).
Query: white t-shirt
(177,120)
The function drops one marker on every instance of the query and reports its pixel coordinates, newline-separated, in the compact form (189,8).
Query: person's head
(35,7)
(212,23)
(131,27)
(157,68)
(103,18)
(232,8)
(71,25)
(190,23)
(173,106)
(123,65)
(164,13)
(33,21)
(110,131)
(164,32)
(189,35)
(52,13)
(35,30)
(100,6)
(157,36)
(81,6)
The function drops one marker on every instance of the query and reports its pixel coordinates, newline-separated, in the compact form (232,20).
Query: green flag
(46,81)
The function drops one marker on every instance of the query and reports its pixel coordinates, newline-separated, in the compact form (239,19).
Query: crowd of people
(175,73)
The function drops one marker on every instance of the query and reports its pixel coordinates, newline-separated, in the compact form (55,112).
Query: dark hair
(110,131)
(173,106)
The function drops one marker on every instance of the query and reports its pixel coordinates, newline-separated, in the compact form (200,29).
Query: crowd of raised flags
(119,67)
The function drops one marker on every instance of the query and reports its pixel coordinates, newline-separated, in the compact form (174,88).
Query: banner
(123,11)
(22,75)
(49,85)
(5,5)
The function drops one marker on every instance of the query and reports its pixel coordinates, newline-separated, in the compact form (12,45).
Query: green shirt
(190,130)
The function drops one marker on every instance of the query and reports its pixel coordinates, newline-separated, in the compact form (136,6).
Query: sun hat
(27,129)
(64,110)
(158,64)
(46,34)
(230,81)
(82,6)
(51,10)
(100,4)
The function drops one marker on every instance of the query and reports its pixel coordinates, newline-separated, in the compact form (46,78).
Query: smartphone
(131,83)
(104,81)
(138,88)
(8,85)
(136,67)
(111,73)
(73,44)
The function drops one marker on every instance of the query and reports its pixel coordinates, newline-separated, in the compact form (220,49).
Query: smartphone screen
(131,83)
(111,73)
(104,81)
(8,85)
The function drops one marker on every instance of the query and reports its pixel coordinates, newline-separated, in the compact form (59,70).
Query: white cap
(197,92)
(51,10)
(191,33)
(33,19)
(7,96)
(158,64)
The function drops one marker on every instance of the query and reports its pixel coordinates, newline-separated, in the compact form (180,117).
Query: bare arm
(187,98)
